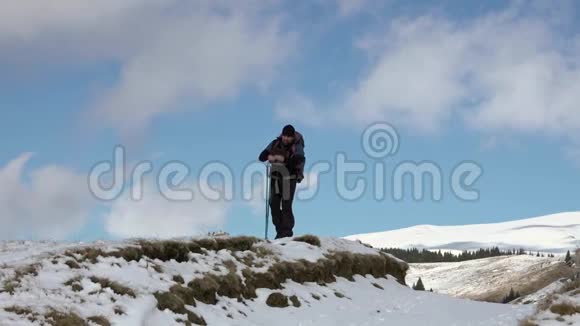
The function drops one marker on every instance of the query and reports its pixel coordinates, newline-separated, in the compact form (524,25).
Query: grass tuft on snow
(165,250)
(57,318)
(295,301)
(310,239)
(565,309)
(11,285)
(176,304)
(277,300)
(114,286)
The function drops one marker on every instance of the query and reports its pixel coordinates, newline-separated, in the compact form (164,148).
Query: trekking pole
(267,198)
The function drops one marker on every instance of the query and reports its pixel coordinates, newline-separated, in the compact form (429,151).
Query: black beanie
(288,131)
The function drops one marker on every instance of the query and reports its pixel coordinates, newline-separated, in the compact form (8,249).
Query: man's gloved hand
(299,177)
(275,158)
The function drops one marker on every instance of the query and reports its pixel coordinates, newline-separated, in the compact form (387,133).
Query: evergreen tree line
(414,255)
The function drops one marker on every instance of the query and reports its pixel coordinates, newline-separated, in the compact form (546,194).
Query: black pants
(281,198)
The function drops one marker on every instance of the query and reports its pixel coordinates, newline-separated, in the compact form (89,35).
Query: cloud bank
(49,202)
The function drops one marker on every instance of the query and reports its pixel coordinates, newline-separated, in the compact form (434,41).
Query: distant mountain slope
(490,279)
(551,233)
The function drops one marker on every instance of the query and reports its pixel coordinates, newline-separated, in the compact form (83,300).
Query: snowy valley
(544,281)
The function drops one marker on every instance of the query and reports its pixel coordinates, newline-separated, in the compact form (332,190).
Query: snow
(555,233)
(13,252)
(290,250)
(548,318)
(295,250)
(474,278)
(363,304)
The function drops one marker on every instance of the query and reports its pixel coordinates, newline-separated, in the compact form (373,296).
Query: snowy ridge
(555,233)
(123,291)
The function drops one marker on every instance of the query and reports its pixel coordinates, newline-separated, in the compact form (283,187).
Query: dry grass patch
(205,289)
(527,322)
(19,310)
(178,279)
(10,285)
(158,268)
(295,302)
(119,311)
(23,311)
(565,309)
(56,318)
(184,293)
(165,250)
(77,287)
(324,271)
(175,303)
(117,288)
(310,239)
(248,260)
(90,254)
(75,284)
(277,300)
(230,266)
(72,264)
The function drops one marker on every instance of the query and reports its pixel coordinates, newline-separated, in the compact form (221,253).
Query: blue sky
(201,81)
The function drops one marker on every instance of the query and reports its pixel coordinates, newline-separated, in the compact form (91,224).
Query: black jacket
(293,153)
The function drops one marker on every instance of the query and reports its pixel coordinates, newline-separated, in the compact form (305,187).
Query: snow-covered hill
(552,233)
(223,281)
(490,279)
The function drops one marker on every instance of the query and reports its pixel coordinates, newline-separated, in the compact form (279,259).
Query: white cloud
(54,204)
(416,80)
(26,20)
(156,216)
(170,52)
(508,71)
(69,31)
(300,109)
(351,7)
(200,59)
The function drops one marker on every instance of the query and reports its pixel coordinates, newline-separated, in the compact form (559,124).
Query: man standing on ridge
(286,154)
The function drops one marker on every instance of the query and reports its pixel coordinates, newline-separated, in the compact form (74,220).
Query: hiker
(286,155)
